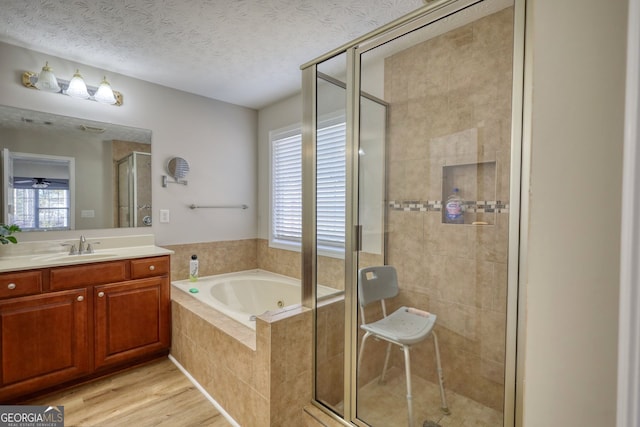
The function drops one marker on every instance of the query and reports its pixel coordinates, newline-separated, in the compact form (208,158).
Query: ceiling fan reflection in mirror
(39,183)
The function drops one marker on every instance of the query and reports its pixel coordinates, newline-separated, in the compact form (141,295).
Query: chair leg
(407,369)
(386,364)
(443,397)
(364,340)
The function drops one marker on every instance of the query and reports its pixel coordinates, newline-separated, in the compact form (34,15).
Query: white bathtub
(246,294)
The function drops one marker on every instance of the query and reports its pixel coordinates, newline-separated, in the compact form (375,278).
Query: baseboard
(204,392)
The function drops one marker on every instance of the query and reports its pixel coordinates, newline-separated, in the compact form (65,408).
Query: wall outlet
(87,213)
(164,216)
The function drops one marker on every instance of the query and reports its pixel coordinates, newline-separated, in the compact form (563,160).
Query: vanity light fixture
(76,88)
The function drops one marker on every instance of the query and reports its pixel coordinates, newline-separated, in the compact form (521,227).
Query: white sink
(48,253)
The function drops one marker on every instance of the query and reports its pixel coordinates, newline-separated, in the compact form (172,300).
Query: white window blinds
(286,212)
(286,189)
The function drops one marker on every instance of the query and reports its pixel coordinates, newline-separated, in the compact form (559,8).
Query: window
(41,208)
(286,187)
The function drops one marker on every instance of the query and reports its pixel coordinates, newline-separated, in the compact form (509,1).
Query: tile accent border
(478,206)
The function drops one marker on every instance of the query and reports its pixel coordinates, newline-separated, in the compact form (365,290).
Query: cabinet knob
(11,286)
(152,267)
(80,298)
(100,294)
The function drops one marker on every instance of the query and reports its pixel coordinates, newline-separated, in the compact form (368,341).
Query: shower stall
(134,190)
(421,112)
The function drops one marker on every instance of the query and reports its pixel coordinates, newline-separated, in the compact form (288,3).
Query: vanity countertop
(51,253)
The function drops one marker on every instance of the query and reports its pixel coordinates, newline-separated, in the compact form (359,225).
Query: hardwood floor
(156,394)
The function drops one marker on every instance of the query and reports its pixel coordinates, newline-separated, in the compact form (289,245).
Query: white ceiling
(246,52)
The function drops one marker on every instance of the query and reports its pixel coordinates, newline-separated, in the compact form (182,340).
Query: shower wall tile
(396,179)
(492,329)
(366,259)
(330,351)
(330,272)
(450,104)
(500,292)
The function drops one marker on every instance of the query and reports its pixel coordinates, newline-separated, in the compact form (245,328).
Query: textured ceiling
(246,52)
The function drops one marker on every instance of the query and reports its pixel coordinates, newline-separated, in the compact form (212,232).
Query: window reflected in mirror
(66,173)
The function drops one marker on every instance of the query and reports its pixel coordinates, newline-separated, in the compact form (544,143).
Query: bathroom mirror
(177,168)
(106,165)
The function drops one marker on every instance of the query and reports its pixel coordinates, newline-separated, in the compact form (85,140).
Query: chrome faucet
(81,245)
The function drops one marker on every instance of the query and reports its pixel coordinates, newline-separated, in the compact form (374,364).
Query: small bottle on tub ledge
(193,268)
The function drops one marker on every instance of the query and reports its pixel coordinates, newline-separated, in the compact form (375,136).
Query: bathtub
(246,294)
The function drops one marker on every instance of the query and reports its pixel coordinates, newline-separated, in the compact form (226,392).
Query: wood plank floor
(157,394)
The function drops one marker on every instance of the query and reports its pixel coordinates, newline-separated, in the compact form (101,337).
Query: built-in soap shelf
(476,186)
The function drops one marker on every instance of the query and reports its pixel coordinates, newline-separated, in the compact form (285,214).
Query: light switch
(164,216)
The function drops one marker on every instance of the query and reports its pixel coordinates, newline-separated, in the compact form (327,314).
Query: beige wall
(576,64)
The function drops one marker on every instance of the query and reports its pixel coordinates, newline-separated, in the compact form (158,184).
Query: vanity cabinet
(43,341)
(63,325)
(131,320)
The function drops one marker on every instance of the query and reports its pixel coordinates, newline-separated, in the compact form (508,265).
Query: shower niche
(476,187)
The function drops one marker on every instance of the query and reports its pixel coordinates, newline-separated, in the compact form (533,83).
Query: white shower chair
(404,327)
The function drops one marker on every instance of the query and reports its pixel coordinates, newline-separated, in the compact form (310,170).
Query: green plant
(6,232)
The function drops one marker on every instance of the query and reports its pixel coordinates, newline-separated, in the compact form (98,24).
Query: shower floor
(386,404)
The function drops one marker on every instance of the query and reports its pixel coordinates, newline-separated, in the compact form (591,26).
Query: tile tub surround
(260,378)
(239,255)
(215,257)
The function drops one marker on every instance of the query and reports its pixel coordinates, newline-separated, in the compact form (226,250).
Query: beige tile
(214,257)
(330,380)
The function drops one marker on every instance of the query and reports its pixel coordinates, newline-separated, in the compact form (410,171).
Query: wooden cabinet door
(43,341)
(132,319)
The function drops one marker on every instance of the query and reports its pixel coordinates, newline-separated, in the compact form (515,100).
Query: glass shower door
(434,188)
(330,166)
